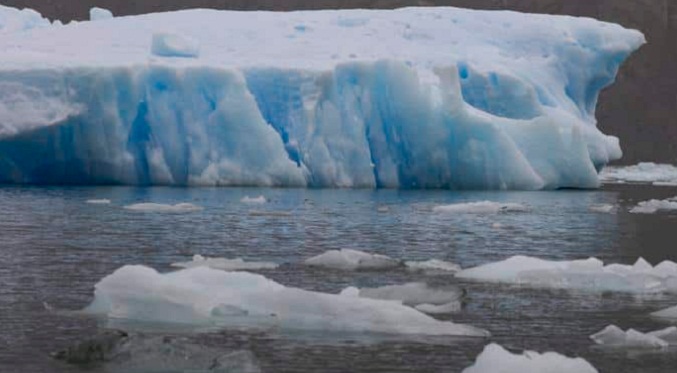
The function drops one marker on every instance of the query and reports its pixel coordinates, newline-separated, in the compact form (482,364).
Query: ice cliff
(410,98)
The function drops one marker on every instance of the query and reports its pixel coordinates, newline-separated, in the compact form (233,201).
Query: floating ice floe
(225,264)
(407,98)
(254,200)
(174,45)
(603,208)
(484,207)
(100,14)
(98,201)
(614,336)
(350,260)
(208,297)
(655,205)
(496,359)
(433,266)
(643,173)
(159,207)
(589,274)
(416,294)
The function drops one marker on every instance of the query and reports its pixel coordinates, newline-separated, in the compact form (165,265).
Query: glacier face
(410,98)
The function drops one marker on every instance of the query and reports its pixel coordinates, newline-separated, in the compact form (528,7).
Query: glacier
(408,98)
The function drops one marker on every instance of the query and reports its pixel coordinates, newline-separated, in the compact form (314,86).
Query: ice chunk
(484,207)
(411,294)
(433,266)
(254,200)
(655,205)
(590,274)
(473,104)
(350,260)
(603,208)
(99,14)
(199,296)
(645,173)
(225,264)
(496,359)
(159,207)
(616,337)
(173,45)
(15,20)
(668,313)
(99,201)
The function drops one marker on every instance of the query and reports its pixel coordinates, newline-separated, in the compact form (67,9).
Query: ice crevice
(157,100)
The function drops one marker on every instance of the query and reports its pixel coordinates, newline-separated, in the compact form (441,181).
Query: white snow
(254,200)
(225,264)
(14,20)
(644,173)
(204,296)
(159,207)
(496,359)
(350,260)
(99,201)
(484,207)
(433,266)
(616,337)
(655,205)
(590,274)
(99,14)
(411,98)
(174,45)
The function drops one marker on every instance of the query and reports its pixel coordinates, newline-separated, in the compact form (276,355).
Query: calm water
(54,248)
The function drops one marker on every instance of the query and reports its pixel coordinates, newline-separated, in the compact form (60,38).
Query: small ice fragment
(433,266)
(616,337)
(159,207)
(654,205)
(254,200)
(348,259)
(603,208)
(98,201)
(484,207)
(225,264)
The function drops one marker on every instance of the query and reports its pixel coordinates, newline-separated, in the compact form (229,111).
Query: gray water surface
(54,247)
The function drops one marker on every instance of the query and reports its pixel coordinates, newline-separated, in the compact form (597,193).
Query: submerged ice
(208,297)
(409,98)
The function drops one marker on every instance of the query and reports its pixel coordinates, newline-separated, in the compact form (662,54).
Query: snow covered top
(321,39)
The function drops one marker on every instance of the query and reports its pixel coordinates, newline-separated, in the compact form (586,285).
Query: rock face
(641,108)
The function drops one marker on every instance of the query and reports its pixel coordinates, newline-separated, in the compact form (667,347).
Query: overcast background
(641,108)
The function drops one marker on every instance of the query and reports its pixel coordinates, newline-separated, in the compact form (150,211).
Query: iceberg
(614,336)
(225,264)
(496,359)
(351,260)
(208,297)
(589,275)
(408,98)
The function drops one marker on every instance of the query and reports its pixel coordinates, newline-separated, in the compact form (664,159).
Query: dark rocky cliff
(641,108)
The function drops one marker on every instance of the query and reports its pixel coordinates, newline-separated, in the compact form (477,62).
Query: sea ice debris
(160,207)
(616,337)
(496,359)
(254,200)
(349,259)
(484,207)
(225,264)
